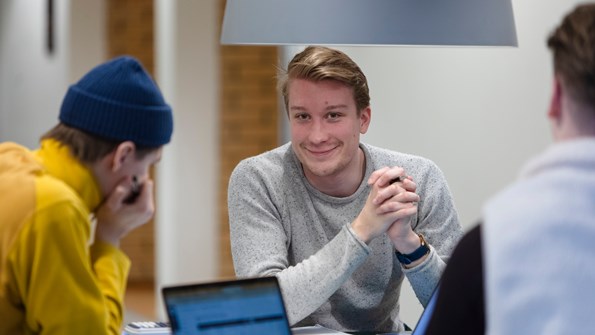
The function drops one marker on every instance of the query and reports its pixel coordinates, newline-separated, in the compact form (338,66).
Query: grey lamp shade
(369,22)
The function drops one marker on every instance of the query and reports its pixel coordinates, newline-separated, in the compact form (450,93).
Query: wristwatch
(416,254)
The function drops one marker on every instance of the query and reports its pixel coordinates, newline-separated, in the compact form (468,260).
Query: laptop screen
(244,306)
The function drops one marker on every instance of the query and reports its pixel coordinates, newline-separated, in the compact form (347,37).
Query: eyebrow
(297,108)
(329,107)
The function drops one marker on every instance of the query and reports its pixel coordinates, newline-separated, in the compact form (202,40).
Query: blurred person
(341,223)
(65,206)
(532,256)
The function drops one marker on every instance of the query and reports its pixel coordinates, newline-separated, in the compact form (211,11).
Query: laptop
(241,306)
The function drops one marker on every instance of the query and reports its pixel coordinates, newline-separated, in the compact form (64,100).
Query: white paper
(314,330)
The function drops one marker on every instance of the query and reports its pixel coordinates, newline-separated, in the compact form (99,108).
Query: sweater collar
(578,152)
(59,162)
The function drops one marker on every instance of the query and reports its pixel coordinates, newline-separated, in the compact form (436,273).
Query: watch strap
(418,253)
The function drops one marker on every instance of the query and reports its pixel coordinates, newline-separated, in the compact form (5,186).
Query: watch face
(422,239)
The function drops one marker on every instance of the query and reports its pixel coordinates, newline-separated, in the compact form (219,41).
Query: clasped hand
(390,205)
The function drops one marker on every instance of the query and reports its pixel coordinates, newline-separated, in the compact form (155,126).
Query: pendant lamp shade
(369,22)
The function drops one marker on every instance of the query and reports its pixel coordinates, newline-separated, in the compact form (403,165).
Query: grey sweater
(281,225)
(537,240)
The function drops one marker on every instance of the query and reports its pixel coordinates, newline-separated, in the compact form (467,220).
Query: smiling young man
(339,222)
(61,272)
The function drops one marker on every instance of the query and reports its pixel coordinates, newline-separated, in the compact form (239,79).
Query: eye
(301,116)
(333,116)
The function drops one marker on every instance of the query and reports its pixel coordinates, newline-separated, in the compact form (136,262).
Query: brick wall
(248,115)
(248,119)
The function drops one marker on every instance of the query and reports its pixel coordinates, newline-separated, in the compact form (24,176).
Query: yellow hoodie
(53,278)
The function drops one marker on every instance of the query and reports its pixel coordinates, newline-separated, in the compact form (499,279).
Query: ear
(124,152)
(555,110)
(365,117)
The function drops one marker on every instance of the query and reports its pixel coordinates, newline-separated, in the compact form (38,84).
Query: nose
(318,132)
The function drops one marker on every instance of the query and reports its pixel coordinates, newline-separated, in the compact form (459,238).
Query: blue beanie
(119,101)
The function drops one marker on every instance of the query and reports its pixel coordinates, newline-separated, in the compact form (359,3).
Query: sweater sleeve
(111,267)
(260,243)
(64,291)
(308,284)
(438,221)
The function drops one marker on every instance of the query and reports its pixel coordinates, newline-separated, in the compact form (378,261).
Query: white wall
(187,71)
(33,81)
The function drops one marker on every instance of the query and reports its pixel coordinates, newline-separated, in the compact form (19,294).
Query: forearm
(425,276)
(438,222)
(308,284)
(111,268)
